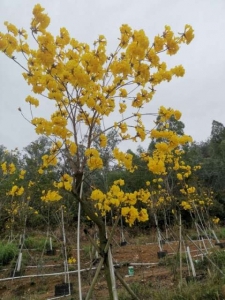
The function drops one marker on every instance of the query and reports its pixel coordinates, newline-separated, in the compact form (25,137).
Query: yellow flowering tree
(12,191)
(91,88)
(20,185)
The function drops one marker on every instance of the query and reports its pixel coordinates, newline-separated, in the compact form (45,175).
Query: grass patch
(38,243)
(7,253)
(212,289)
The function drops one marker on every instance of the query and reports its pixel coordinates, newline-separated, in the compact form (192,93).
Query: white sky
(199,95)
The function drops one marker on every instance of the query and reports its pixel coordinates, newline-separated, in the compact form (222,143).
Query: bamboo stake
(191,262)
(102,259)
(111,270)
(44,275)
(19,262)
(214,234)
(158,232)
(112,274)
(66,269)
(78,241)
(50,243)
(95,279)
(180,247)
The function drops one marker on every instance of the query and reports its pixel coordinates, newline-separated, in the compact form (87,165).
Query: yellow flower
(51,196)
(71,260)
(130,214)
(123,107)
(103,140)
(189,33)
(22,173)
(178,71)
(216,220)
(143,215)
(31,183)
(73,148)
(16,191)
(159,43)
(4,168)
(123,93)
(11,168)
(32,101)
(179,176)
(185,205)
(123,127)
(95,163)
(177,114)
(191,190)
(12,28)
(119,182)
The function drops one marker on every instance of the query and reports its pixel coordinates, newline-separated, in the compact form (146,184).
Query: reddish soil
(137,251)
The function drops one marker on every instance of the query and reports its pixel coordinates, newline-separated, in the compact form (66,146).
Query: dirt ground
(138,252)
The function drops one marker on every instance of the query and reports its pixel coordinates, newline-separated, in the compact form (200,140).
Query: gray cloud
(199,95)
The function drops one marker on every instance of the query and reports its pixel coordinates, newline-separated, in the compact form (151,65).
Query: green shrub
(209,289)
(217,257)
(221,233)
(7,253)
(38,243)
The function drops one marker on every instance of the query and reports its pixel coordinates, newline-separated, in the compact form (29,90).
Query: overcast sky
(199,95)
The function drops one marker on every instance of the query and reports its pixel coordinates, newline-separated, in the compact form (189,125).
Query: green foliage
(207,290)
(37,242)
(7,253)
(216,257)
(221,233)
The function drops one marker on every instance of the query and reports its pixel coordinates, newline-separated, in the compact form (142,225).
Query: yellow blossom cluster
(124,159)
(56,127)
(22,173)
(160,196)
(166,113)
(71,260)
(8,168)
(65,182)
(16,191)
(48,160)
(167,147)
(74,76)
(50,196)
(32,101)
(215,220)
(186,205)
(94,160)
(116,197)
(132,214)
(195,199)
(102,140)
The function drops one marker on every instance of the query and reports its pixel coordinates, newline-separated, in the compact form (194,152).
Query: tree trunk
(105,254)
(89,211)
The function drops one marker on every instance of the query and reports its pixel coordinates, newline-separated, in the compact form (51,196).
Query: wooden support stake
(191,262)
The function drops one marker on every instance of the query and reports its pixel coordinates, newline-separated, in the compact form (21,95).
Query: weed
(221,233)
(7,253)
(38,243)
